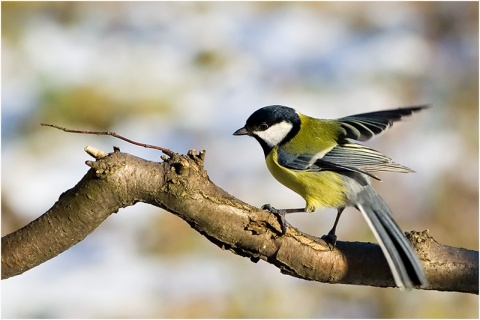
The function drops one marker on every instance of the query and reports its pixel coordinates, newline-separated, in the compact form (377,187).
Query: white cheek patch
(275,134)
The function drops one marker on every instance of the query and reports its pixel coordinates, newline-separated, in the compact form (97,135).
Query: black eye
(263,126)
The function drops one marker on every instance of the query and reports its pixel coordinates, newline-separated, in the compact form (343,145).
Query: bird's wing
(344,157)
(366,125)
(363,158)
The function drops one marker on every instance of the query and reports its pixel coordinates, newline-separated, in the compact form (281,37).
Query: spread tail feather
(404,263)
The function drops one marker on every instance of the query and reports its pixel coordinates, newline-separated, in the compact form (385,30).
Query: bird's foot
(330,239)
(280,215)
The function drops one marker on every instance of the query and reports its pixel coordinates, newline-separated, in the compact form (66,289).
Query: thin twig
(113,134)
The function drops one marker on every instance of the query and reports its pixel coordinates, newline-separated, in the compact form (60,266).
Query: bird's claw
(280,215)
(330,239)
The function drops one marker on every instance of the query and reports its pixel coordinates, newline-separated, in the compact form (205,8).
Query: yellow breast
(319,189)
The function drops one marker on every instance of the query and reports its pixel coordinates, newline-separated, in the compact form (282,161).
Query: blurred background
(187,75)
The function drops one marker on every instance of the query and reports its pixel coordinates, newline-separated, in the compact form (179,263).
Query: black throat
(266,148)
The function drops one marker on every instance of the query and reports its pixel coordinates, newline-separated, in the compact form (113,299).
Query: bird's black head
(271,126)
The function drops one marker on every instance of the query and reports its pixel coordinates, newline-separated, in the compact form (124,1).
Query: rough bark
(181,186)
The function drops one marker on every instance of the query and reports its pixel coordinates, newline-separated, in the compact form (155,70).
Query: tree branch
(181,186)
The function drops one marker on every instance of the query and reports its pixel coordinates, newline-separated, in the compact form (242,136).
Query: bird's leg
(280,213)
(331,237)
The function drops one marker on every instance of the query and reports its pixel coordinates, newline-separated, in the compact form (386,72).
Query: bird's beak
(240,132)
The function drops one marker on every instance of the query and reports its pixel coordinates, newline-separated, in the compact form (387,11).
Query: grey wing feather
(366,125)
(298,162)
(363,158)
(345,157)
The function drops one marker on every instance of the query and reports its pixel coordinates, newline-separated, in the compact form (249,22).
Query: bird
(317,159)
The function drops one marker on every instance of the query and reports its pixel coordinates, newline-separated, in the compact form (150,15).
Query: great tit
(314,158)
